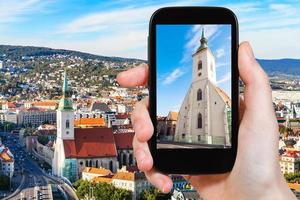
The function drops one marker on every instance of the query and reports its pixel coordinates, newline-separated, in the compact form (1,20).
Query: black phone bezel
(193,161)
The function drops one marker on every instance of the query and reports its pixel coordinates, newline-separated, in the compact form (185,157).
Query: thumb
(257,93)
(258,130)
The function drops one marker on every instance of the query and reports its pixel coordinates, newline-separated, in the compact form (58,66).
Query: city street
(36,184)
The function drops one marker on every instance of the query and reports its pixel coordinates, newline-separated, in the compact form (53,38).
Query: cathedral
(76,147)
(205,114)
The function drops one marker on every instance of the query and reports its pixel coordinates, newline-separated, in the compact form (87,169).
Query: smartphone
(193,89)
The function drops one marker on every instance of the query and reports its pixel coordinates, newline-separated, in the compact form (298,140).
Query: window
(199,137)
(199,95)
(67,123)
(199,120)
(200,65)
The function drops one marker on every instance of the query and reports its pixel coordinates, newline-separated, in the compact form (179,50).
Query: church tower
(65,114)
(201,118)
(203,63)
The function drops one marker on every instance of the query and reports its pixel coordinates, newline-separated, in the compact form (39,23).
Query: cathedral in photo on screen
(205,114)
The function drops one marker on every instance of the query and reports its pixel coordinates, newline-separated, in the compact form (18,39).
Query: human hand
(256,173)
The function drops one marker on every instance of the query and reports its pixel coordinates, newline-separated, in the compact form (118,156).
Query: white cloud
(12,10)
(175,74)
(285,9)
(111,20)
(274,43)
(194,36)
(127,17)
(222,64)
(220,53)
(225,78)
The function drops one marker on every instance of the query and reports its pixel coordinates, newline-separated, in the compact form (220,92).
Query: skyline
(120,28)
(174,61)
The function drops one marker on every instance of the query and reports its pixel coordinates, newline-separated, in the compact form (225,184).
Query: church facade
(77,148)
(205,114)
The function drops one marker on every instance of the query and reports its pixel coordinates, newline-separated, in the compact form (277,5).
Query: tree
(4,182)
(82,188)
(292,177)
(101,191)
(43,139)
(105,191)
(154,194)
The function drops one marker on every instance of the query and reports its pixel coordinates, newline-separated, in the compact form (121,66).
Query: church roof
(91,143)
(124,140)
(224,96)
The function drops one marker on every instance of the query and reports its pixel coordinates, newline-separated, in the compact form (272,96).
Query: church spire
(65,88)
(203,41)
(65,103)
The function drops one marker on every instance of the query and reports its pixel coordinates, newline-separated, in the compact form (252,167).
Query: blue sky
(120,27)
(175,46)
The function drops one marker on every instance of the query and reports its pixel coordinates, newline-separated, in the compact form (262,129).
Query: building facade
(205,114)
(77,148)
(6,161)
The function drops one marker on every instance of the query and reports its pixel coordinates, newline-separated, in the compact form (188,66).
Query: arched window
(86,163)
(199,95)
(97,165)
(200,65)
(67,123)
(90,165)
(199,121)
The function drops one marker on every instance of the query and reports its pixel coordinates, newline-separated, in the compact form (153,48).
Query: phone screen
(193,72)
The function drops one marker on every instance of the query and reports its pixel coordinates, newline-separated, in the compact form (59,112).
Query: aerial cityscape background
(68,101)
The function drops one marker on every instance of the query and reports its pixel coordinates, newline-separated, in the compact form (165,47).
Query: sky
(120,27)
(175,45)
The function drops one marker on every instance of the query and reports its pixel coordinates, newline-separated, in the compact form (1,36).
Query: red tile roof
(124,140)
(89,122)
(122,116)
(92,143)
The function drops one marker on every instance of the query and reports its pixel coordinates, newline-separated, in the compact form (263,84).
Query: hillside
(17,52)
(281,66)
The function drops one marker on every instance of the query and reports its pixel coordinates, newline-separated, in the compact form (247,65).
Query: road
(37,184)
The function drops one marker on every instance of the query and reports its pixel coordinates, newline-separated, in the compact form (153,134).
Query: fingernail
(250,51)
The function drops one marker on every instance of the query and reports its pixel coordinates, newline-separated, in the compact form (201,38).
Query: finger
(259,121)
(160,181)
(141,121)
(142,154)
(257,93)
(145,164)
(137,76)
